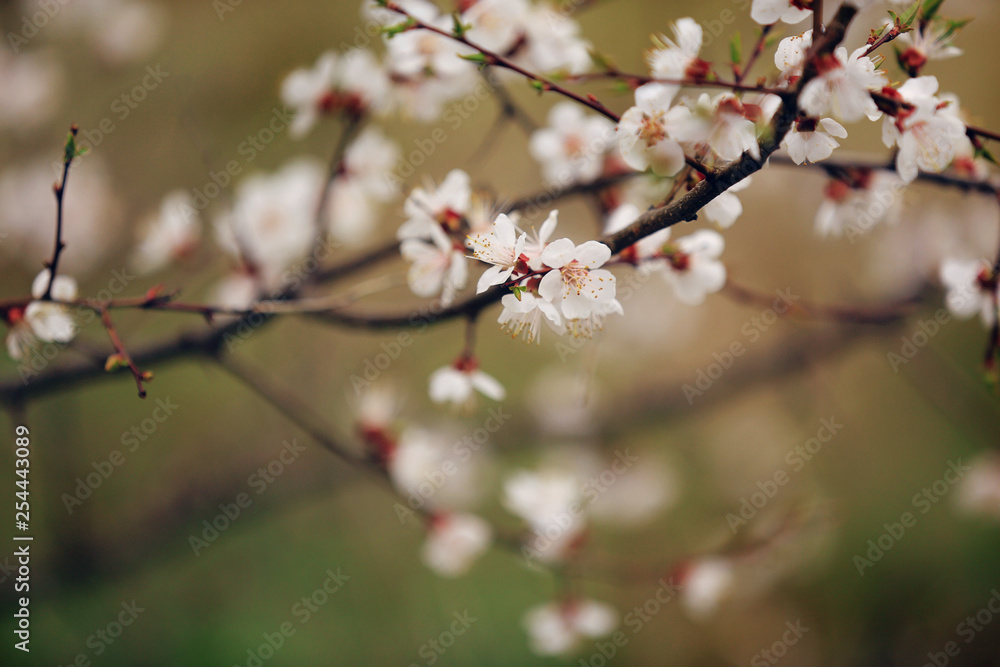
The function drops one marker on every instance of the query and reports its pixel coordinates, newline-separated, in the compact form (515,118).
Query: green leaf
(475,58)
(736,49)
(517,291)
(391,31)
(537,85)
(458,28)
(911,13)
(930,9)
(601,61)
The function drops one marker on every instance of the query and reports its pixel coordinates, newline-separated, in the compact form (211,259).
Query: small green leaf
(475,58)
(930,9)
(601,61)
(911,13)
(458,28)
(517,291)
(736,49)
(537,85)
(391,31)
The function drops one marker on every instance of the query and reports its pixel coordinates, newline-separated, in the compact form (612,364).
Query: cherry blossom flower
(29,88)
(272,222)
(446,205)
(767,12)
(497,25)
(578,286)
(643,249)
(552,42)
(415,465)
(972,289)
(979,490)
(679,60)
(843,87)
(726,209)
(361,187)
(523,314)
(454,542)
(643,135)
(858,202)
(353,81)
(718,124)
(438,267)
(572,148)
(456,383)
(927,41)
(790,56)
(536,241)
(558,628)
(26,200)
(170,235)
(415,52)
(927,134)
(704,583)
(694,268)
(43,320)
(501,247)
(549,501)
(811,140)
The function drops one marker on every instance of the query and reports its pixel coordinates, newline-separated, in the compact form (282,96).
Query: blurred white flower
(704,584)
(558,627)
(718,124)
(571,148)
(169,235)
(726,209)
(767,12)
(979,489)
(427,466)
(30,85)
(694,269)
(438,267)
(497,25)
(443,206)
(457,383)
(272,223)
(43,320)
(790,56)
(843,87)
(353,81)
(678,59)
(552,42)
(362,186)
(972,289)
(454,542)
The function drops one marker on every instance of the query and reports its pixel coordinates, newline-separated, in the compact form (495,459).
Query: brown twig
(497,60)
(123,355)
(69,153)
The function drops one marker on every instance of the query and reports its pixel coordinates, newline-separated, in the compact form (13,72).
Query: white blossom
(362,186)
(578,286)
(44,320)
(678,59)
(726,209)
(428,207)
(790,56)
(438,266)
(843,87)
(705,583)
(558,628)
(643,135)
(695,270)
(571,148)
(454,542)
(523,316)
(170,235)
(767,12)
(553,42)
(928,133)
(502,247)
(457,383)
(972,289)
(718,124)
(353,80)
(812,140)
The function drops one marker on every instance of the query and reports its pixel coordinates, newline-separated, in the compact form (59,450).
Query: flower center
(651,130)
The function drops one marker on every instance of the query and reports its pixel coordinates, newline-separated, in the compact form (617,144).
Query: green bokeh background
(129,541)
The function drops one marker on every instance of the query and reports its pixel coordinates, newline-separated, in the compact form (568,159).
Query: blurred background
(129,542)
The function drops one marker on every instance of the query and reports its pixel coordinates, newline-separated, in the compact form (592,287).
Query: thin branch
(69,153)
(354,124)
(123,356)
(817,10)
(875,315)
(497,60)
